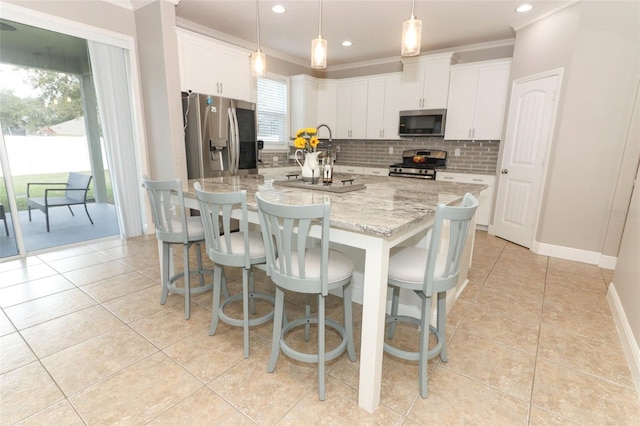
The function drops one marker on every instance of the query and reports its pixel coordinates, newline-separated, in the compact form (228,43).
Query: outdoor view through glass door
(52,140)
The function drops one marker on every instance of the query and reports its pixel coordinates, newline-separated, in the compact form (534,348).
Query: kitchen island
(368,224)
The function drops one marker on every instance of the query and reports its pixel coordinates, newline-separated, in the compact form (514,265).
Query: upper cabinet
(351,109)
(383,106)
(477,100)
(425,82)
(214,68)
(304,102)
(327,101)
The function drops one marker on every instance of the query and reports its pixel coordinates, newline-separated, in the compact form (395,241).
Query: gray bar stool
(173,227)
(294,267)
(428,272)
(228,247)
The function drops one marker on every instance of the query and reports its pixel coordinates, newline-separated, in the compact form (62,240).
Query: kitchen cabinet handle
(221,90)
(478,180)
(504,171)
(469,135)
(447,177)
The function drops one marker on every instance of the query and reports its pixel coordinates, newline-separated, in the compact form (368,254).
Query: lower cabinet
(483,214)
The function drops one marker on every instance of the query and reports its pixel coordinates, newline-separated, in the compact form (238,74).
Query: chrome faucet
(330,138)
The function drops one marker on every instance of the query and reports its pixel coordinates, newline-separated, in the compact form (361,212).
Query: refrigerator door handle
(235,141)
(231,144)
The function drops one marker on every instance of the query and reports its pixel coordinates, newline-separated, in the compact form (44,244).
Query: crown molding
(137,4)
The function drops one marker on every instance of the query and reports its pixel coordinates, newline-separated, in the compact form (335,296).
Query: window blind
(272,111)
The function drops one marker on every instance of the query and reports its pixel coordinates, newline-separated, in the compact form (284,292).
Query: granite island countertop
(386,206)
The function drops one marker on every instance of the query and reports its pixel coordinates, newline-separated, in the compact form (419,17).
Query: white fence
(30,155)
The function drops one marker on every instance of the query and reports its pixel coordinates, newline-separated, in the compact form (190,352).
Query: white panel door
(530,123)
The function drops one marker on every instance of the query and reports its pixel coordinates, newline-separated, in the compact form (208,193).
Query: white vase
(310,169)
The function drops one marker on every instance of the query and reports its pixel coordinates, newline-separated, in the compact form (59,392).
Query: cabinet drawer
(351,169)
(376,171)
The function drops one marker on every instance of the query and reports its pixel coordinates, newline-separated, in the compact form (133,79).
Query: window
(272,111)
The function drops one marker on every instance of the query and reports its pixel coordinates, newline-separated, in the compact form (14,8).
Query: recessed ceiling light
(524,8)
(346,43)
(278,8)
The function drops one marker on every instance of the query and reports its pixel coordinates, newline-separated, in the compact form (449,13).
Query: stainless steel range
(419,163)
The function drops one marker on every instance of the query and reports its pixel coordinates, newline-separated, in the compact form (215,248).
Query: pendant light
(319,47)
(258,60)
(411,34)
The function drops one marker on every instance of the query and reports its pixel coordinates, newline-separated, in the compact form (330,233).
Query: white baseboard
(608,262)
(578,255)
(629,344)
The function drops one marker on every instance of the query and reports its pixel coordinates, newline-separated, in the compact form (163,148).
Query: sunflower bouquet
(306,139)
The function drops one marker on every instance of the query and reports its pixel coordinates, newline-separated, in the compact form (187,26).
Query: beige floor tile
(60,413)
(141,260)
(583,398)
(576,282)
(140,304)
(61,333)
(109,242)
(152,272)
(455,400)
(127,251)
(49,307)
(541,417)
(93,273)
(14,352)
(168,326)
(482,321)
(5,325)
(581,322)
(80,261)
(29,273)
(65,253)
(206,357)
(137,394)
(608,275)
(252,389)
(527,308)
(30,290)
(86,363)
(505,368)
(579,268)
(118,286)
(517,278)
(25,391)
(562,297)
(585,354)
(340,407)
(203,407)
(21,263)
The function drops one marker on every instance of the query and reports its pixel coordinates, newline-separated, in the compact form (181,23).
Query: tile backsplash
(475,156)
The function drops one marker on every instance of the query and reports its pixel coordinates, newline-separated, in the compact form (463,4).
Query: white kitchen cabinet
(214,68)
(425,82)
(351,109)
(483,214)
(304,102)
(327,101)
(477,100)
(342,168)
(383,106)
(375,171)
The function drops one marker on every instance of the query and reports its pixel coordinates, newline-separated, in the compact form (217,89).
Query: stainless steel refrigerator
(220,136)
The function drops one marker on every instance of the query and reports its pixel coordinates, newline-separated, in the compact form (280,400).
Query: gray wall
(158,53)
(598,44)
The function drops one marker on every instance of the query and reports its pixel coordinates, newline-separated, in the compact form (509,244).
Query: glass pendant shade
(411,35)
(258,63)
(319,53)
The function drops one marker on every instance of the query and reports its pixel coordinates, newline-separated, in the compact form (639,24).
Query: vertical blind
(272,111)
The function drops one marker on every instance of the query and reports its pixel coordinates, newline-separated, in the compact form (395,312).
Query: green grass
(20,188)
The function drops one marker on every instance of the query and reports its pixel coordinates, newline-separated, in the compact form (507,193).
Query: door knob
(504,171)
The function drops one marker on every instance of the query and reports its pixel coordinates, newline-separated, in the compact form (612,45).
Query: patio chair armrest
(43,183)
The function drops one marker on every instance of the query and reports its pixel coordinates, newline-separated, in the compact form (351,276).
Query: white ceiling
(373,26)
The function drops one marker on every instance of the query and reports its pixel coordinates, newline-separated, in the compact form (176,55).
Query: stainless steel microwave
(422,122)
